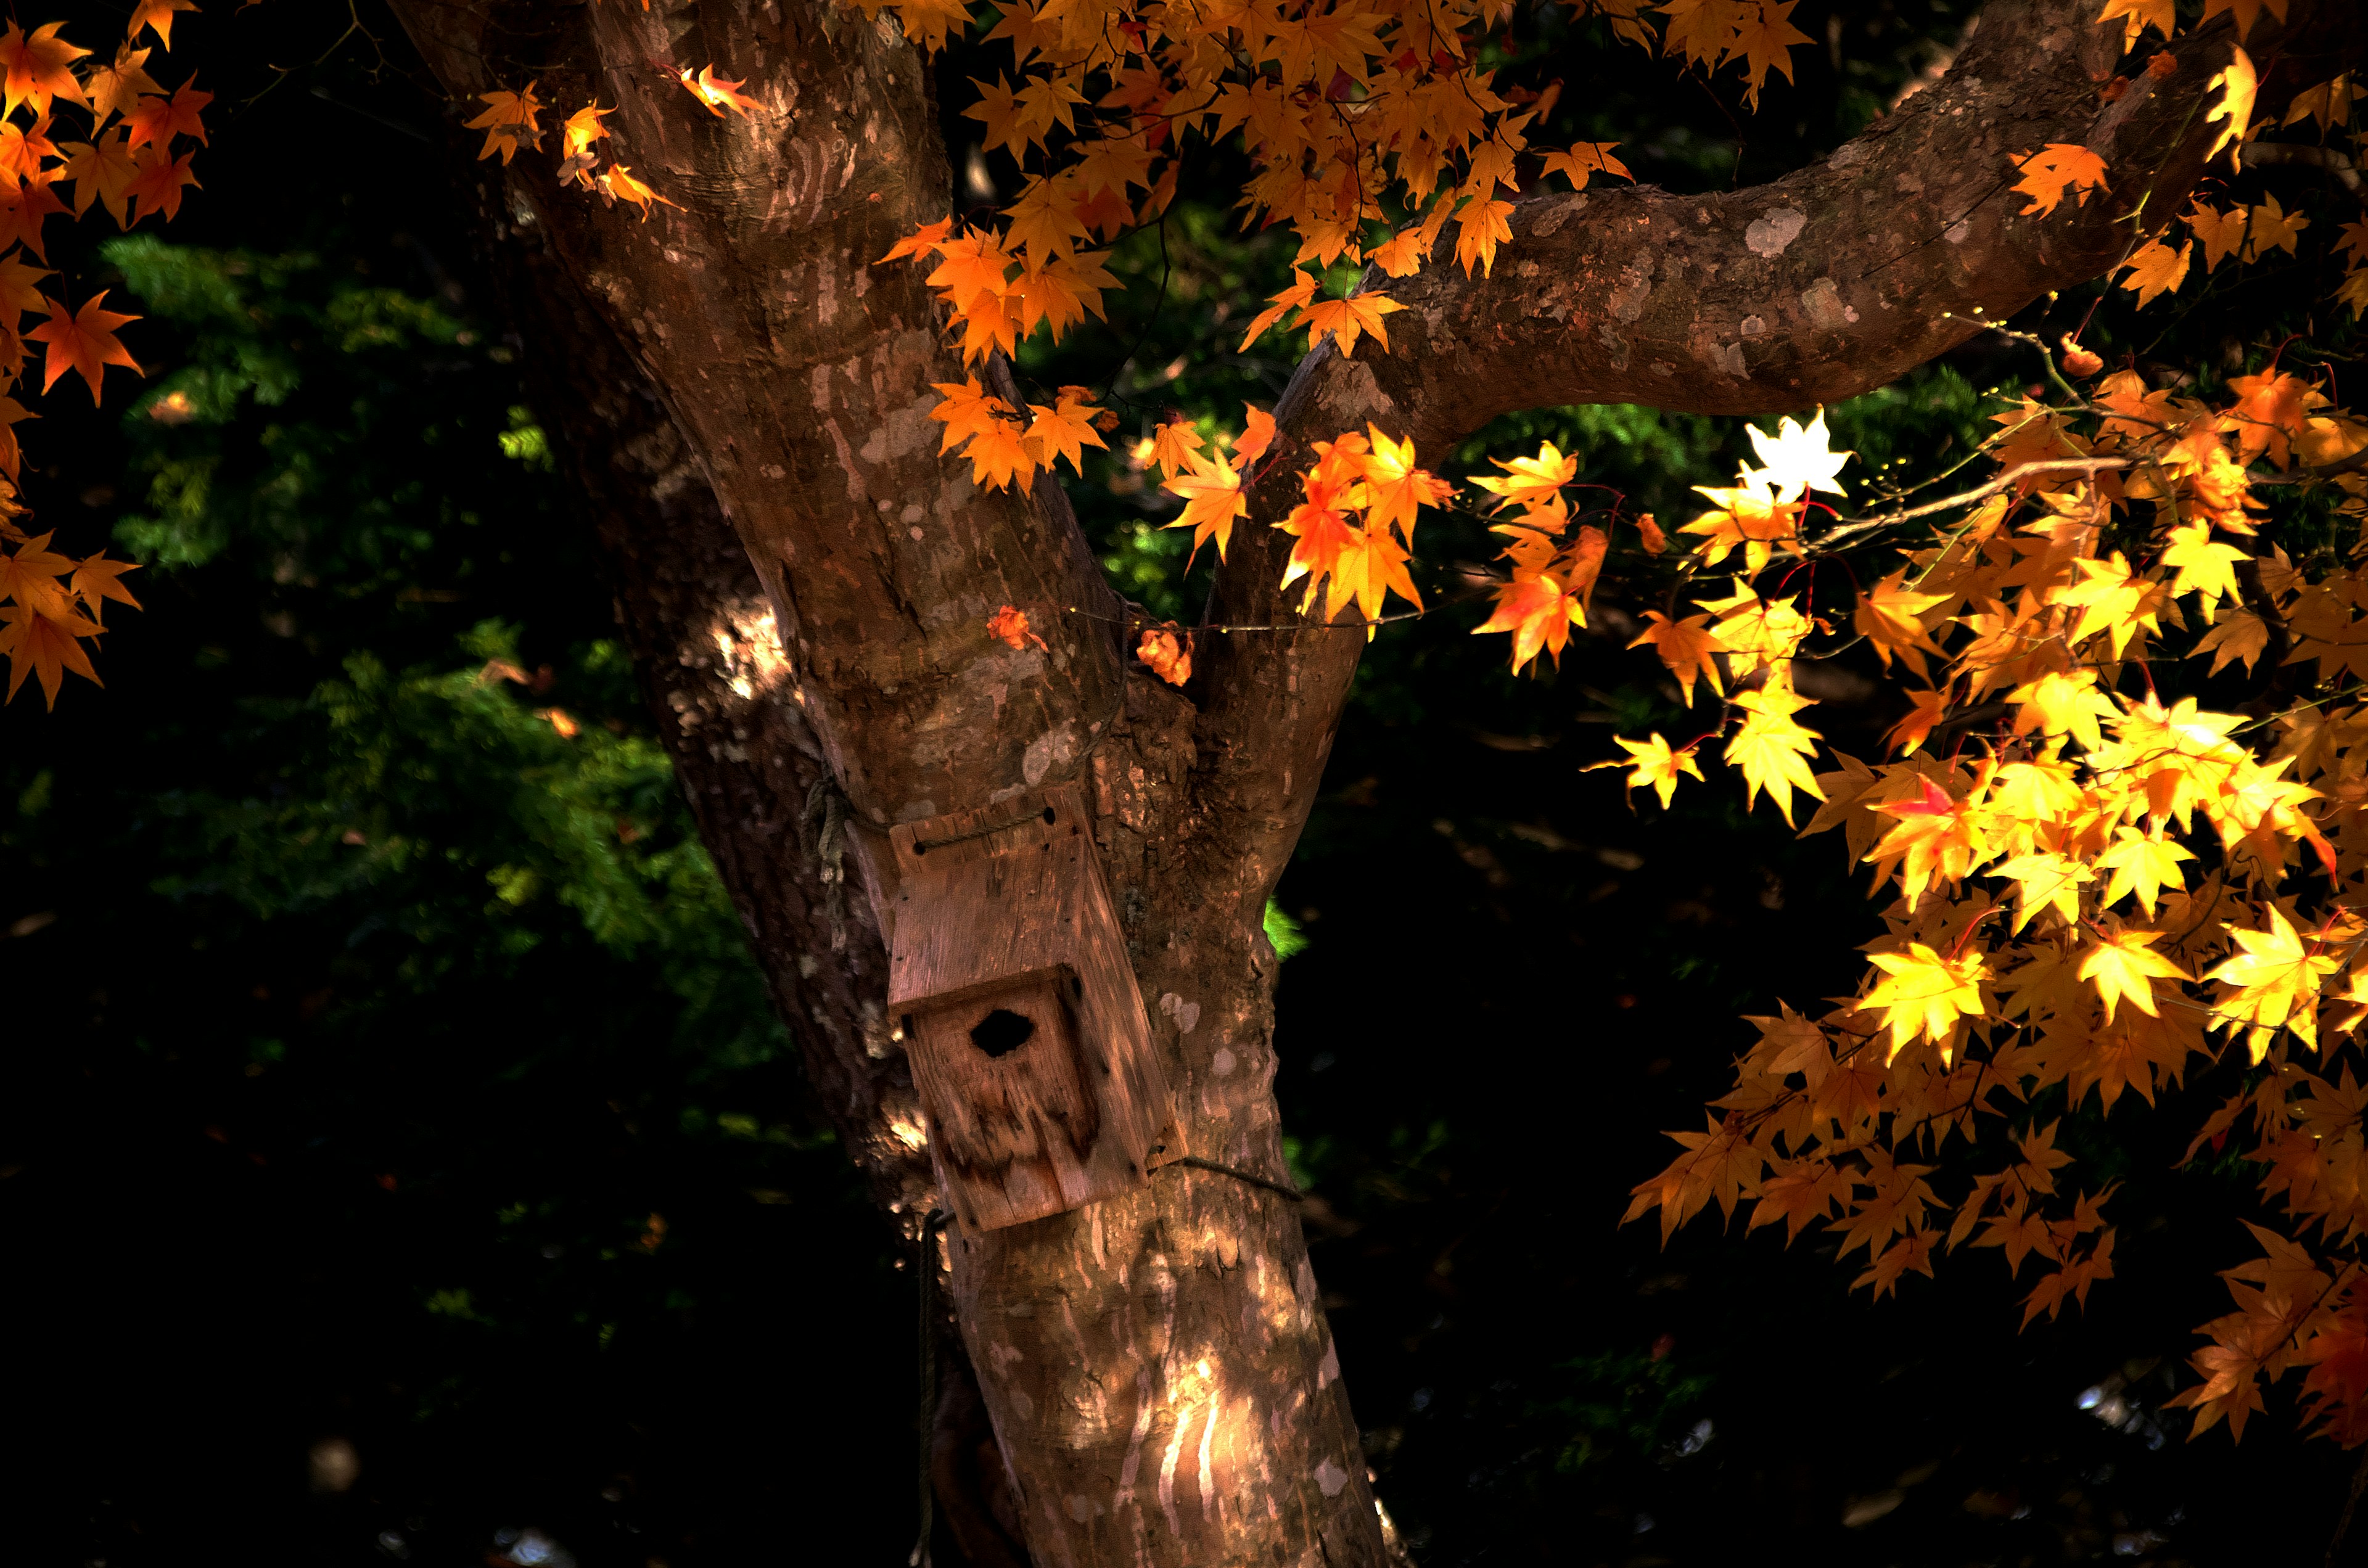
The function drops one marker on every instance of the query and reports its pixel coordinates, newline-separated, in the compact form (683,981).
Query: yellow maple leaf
(1343,320)
(1213,499)
(1769,748)
(1922,994)
(2156,269)
(1688,647)
(2271,984)
(1651,762)
(1529,480)
(2238,85)
(2122,967)
(2056,168)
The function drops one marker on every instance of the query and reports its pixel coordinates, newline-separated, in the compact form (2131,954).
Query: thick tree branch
(1827,283)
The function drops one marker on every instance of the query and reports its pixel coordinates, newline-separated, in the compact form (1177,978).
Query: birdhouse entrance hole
(1003,1031)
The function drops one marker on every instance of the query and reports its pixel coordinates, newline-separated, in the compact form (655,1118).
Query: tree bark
(743,401)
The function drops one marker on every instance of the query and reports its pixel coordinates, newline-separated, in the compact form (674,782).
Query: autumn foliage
(79,130)
(2092,881)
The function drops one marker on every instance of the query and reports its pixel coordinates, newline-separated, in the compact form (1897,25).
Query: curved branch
(1827,283)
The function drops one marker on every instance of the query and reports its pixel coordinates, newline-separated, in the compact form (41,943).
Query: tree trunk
(744,400)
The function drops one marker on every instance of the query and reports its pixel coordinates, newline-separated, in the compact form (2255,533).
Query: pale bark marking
(1167,1472)
(1331,1478)
(1774,230)
(1133,1464)
(1208,1486)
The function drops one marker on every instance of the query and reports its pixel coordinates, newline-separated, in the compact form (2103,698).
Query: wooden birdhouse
(1027,1033)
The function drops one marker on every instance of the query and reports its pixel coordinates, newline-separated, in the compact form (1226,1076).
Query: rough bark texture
(1156,1369)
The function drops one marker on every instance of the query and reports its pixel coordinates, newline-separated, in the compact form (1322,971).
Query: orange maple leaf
(718,93)
(1010,627)
(508,117)
(157,181)
(2054,168)
(617,183)
(41,644)
(84,341)
(1165,654)
(38,68)
(113,88)
(159,15)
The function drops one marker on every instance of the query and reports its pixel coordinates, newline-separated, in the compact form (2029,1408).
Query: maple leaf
(24,207)
(966,410)
(1887,616)
(98,579)
(2144,864)
(717,92)
(2240,635)
(43,645)
(1765,41)
(1394,487)
(1165,655)
(1000,458)
(84,341)
(1539,612)
(927,237)
(1907,737)
(1687,647)
(1798,458)
(2239,86)
(1480,228)
(975,264)
(1213,499)
(1173,445)
(2137,16)
(2205,567)
(2123,966)
(1750,516)
(581,130)
(156,183)
(1582,159)
(23,151)
(2156,269)
(1010,627)
(110,89)
(2329,103)
(1343,320)
(1044,219)
(1769,748)
(1933,833)
(1302,289)
(617,182)
(2045,879)
(11,454)
(37,67)
(1062,432)
(2272,982)
(508,117)
(1258,434)
(158,120)
(1922,994)
(1528,481)
(2222,233)
(101,171)
(157,14)
(2054,168)
(1651,762)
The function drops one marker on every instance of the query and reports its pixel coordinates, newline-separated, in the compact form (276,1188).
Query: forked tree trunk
(744,400)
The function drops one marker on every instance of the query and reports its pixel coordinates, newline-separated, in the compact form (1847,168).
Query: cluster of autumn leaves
(2093,884)
(126,164)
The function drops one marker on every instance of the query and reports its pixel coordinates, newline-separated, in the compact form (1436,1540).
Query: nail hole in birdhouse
(1002,1032)
(1048,813)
